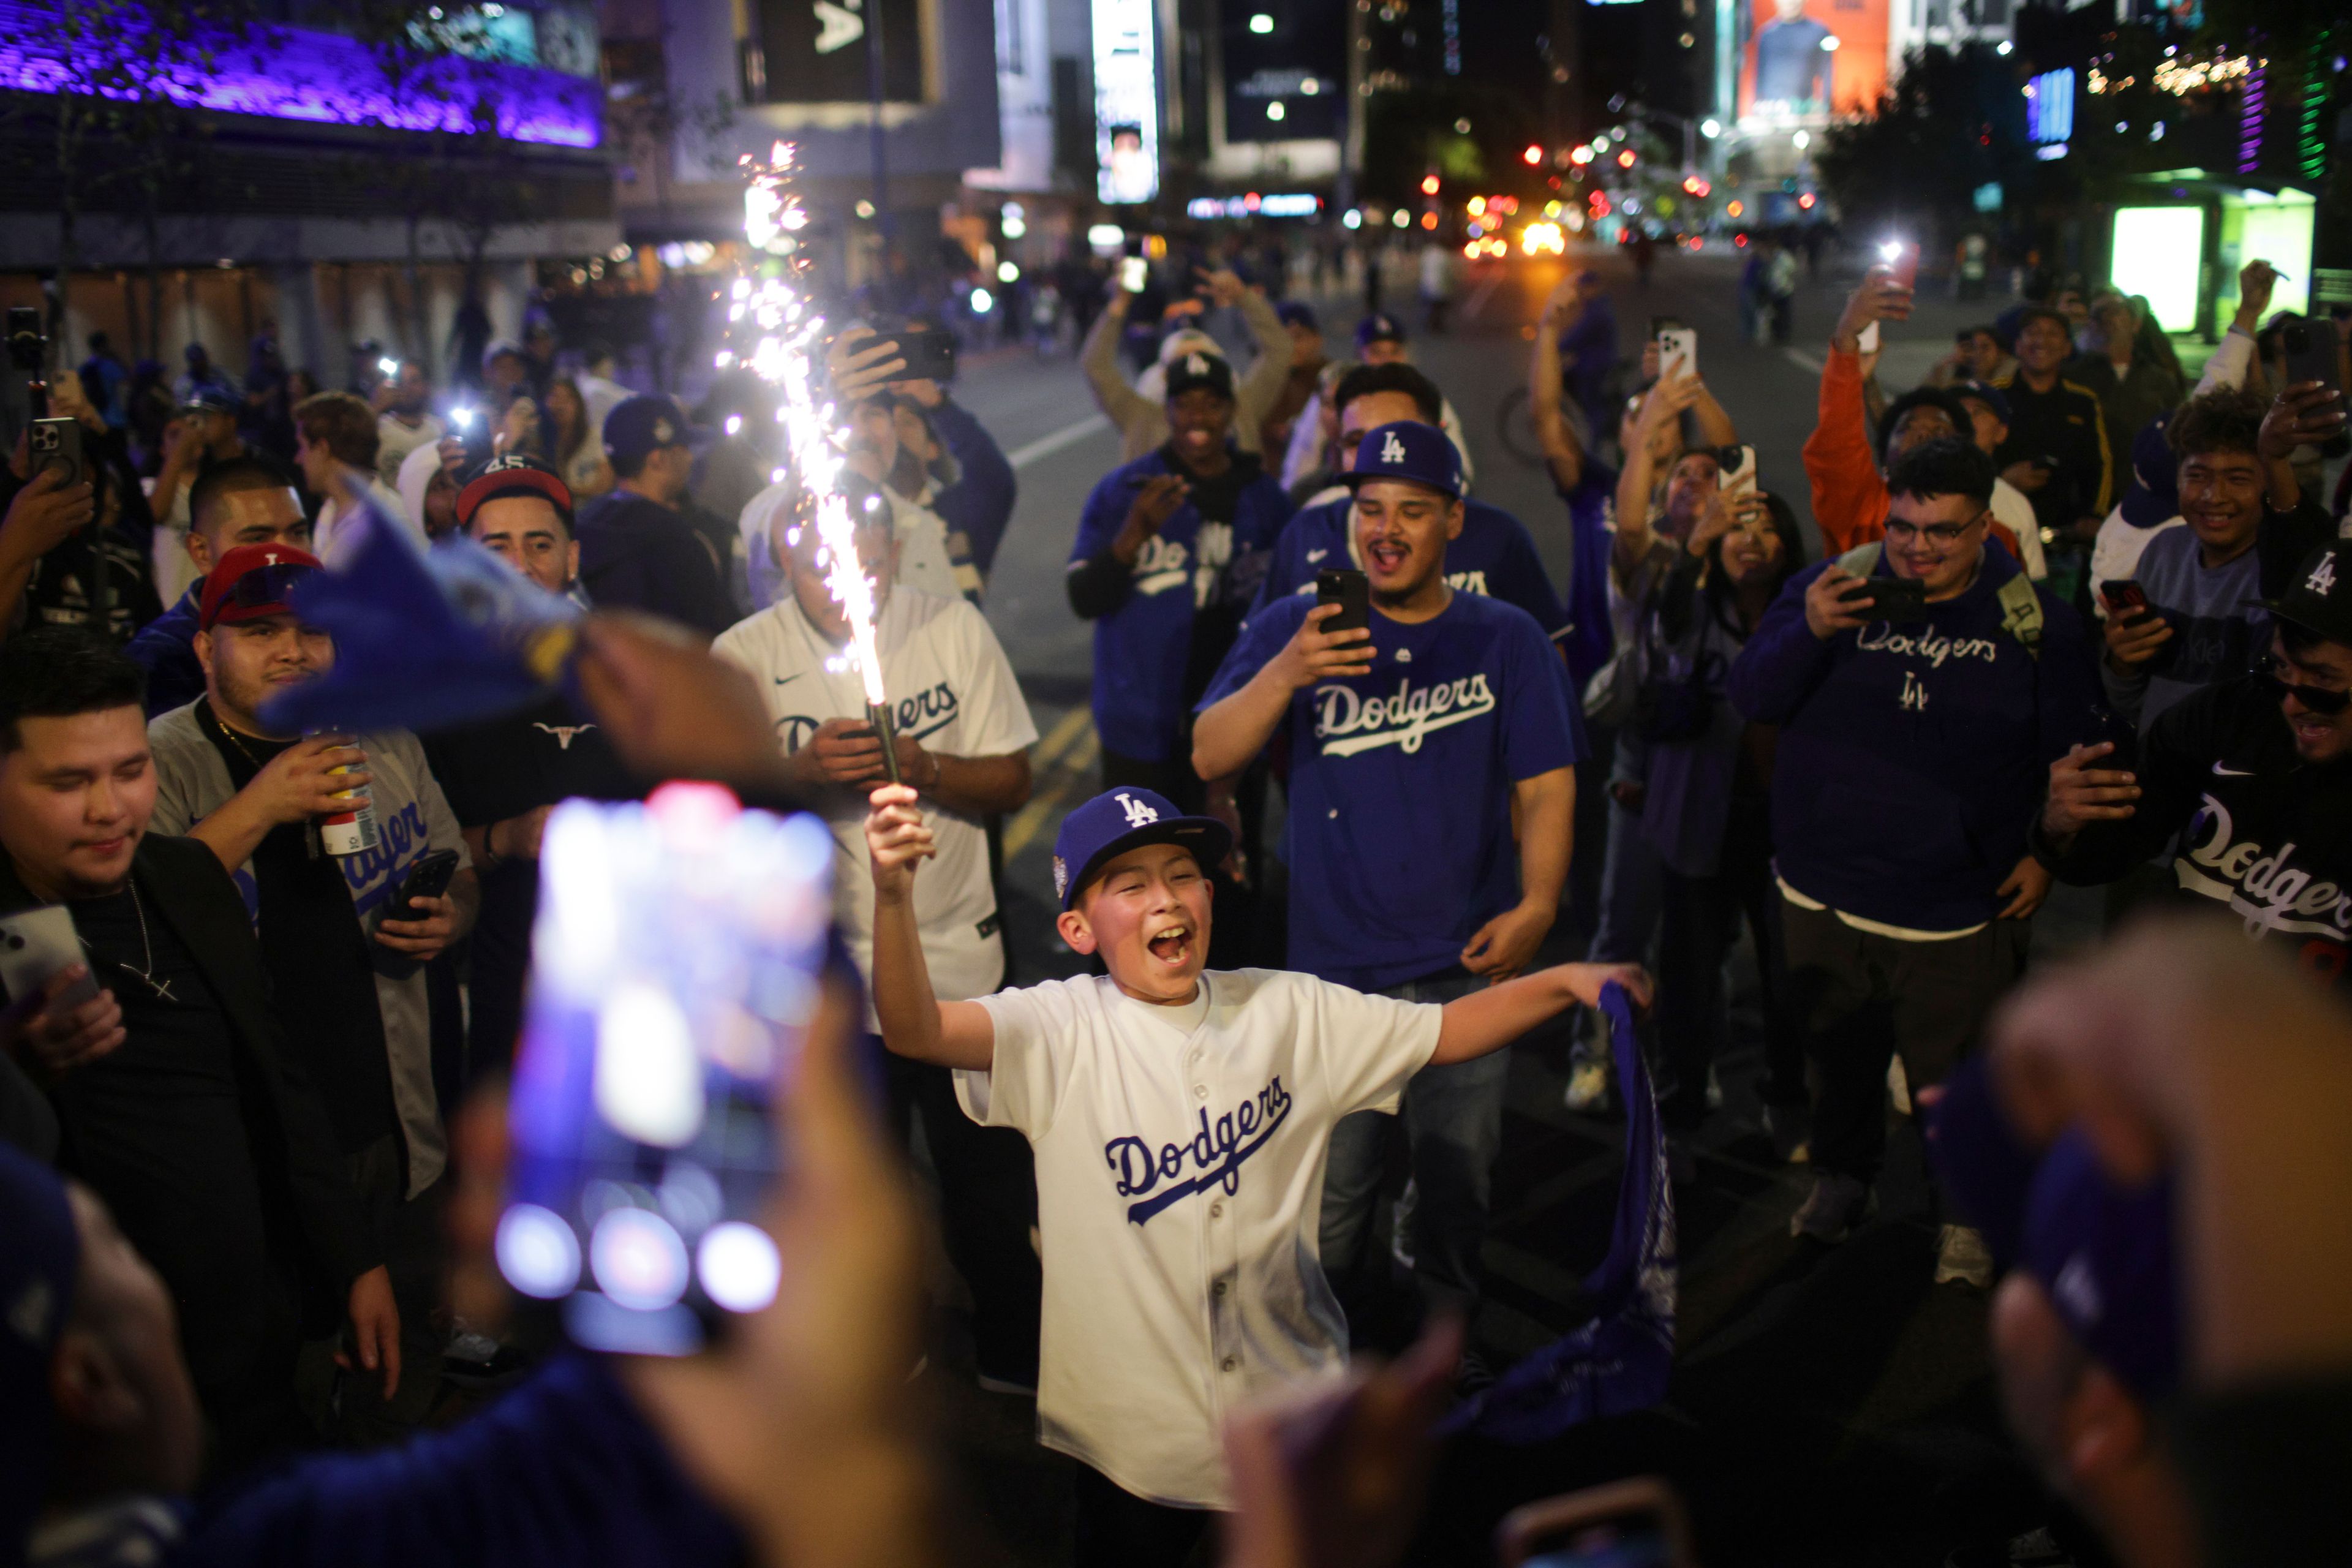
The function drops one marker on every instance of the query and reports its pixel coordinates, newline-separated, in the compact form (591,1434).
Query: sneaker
(1588,1088)
(1963,1258)
(1791,1127)
(1832,1209)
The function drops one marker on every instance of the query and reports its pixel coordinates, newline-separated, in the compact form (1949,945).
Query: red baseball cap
(252,582)
(514,475)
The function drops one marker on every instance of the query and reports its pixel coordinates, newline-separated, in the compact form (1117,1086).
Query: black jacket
(2264,834)
(294,1147)
(638,554)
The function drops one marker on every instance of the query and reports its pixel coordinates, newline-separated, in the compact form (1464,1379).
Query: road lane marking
(1071,775)
(1047,445)
(1804,362)
(1057,739)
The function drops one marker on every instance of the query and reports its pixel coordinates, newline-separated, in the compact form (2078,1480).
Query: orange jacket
(1850,495)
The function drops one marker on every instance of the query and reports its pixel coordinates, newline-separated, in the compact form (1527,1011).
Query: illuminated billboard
(2159,253)
(1801,61)
(1127,101)
(2050,106)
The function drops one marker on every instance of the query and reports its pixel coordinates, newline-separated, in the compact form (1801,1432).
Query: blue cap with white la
(1421,453)
(1377,327)
(1119,820)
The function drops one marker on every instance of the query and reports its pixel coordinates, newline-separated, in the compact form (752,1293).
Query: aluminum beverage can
(353,831)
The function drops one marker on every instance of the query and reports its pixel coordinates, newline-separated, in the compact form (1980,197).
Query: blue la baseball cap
(639,425)
(37,1280)
(1119,820)
(1408,449)
(1378,328)
(1985,393)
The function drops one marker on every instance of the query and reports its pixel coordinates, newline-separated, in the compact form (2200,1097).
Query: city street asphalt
(1827,1407)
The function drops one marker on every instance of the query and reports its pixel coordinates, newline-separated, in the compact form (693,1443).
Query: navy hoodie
(166,649)
(638,554)
(1912,758)
(980,503)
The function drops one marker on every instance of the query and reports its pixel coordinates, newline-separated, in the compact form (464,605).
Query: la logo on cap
(1391,449)
(1139,812)
(663,434)
(2323,576)
(1195,365)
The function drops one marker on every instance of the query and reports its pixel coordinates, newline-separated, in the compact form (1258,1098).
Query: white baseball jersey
(1180,1154)
(952,688)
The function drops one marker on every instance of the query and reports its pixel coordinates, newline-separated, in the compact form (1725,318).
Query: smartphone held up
(675,965)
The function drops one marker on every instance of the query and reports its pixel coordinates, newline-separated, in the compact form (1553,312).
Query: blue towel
(1619,1360)
(425,639)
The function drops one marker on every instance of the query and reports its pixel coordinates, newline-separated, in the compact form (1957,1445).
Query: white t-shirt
(952,688)
(1180,1182)
(2011,508)
(396,439)
(335,519)
(2116,550)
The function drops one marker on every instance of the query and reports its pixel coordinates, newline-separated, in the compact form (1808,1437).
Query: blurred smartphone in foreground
(1902,258)
(676,963)
(2309,348)
(1133,273)
(2125,597)
(1636,1523)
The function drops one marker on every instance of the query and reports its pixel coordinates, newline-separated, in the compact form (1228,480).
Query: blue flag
(1619,1360)
(423,640)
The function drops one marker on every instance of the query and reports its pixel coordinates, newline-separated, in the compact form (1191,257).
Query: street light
(1710,128)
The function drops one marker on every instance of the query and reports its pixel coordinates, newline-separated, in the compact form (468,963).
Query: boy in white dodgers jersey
(1181,1122)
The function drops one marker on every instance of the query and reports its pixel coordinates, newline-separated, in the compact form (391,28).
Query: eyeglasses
(2272,672)
(1942,535)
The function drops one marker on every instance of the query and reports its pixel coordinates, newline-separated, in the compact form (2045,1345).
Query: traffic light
(1534,155)
(1429,185)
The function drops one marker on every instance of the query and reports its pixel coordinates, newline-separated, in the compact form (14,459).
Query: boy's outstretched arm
(945,1034)
(1490,1019)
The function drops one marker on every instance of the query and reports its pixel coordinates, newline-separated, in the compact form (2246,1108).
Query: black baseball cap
(1198,372)
(2318,598)
(640,426)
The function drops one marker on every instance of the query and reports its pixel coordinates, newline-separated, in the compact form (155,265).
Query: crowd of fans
(2074,621)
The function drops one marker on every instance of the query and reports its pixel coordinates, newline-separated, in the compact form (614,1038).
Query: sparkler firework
(769,314)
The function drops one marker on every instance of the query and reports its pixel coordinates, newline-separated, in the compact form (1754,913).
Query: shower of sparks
(775,335)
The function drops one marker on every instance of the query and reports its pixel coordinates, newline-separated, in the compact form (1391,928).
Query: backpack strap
(2021,612)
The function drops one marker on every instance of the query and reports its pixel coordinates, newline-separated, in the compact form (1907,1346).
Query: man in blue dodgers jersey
(1168,553)
(1911,759)
(1494,555)
(1181,1121)
(1414,747)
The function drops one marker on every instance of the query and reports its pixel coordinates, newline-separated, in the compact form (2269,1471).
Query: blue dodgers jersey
(1494,556)
(1142,648)
(1400,781)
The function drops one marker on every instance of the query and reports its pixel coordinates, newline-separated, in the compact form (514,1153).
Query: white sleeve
(998,724)
(1036,1047)
(1368,1044)
(2227,367)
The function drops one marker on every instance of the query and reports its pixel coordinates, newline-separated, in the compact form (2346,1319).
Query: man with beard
(345,954)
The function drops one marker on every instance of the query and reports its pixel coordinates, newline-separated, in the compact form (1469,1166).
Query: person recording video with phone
(1922,687)
(1419,739)
(344,947)
(180,1096)
(2196,611)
